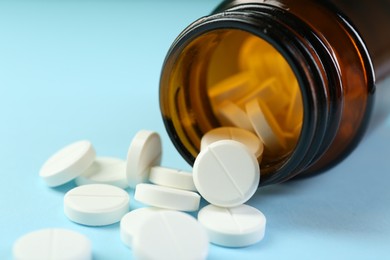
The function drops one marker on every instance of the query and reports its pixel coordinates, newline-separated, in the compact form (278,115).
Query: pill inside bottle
(236,79)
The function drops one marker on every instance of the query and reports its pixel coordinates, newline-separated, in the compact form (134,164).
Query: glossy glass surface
(325,54)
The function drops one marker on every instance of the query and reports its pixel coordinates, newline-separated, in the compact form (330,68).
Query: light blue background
(72,70)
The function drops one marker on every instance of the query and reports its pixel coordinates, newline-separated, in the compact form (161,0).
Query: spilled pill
(131,222)
(105,170)
(172,178)
(52,243)
(226,173)
(96,204)
(166,197)
(68,163)
(170,235)
(144,152)
(233,227)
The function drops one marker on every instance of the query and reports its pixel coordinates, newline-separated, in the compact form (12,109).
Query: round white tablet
(170,235)
(232,115)
(165,197)
(232,86)
(96,204)
(233,227)
(105,170)
(54,243)
(132,221)
(249,139)
(226,173)
(144,153)
(172,178)
(262,127)
(67,163)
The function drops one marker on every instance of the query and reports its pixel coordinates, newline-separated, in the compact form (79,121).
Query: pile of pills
(262,97)
(226,174)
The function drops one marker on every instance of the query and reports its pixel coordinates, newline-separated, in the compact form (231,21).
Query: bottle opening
(230,77)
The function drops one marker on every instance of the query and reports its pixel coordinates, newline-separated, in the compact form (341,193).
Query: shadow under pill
(65,187)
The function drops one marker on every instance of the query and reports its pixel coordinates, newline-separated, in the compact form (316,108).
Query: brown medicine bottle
(320,56)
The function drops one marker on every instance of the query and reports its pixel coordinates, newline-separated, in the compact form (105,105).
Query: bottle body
(370,19)
(319,75)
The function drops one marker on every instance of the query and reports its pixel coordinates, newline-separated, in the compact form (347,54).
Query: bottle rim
(263,22)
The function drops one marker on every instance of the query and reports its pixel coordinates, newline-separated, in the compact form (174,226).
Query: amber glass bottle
(304,64)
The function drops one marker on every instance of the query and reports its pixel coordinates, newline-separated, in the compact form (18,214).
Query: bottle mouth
(234,74)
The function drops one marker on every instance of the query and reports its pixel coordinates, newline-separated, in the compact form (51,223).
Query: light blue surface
(74,70)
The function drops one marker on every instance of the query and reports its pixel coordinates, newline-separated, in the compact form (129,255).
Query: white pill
(226,173)
(232,115)
(265,90)
(263,128)
(168,198)
(105,170)
(54,243)
(67,163)
(249,139)
(170,235)
(232,86)
(295,108)
(131,222)
(233,227)
(96,204)
(144,153)
(172,178)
